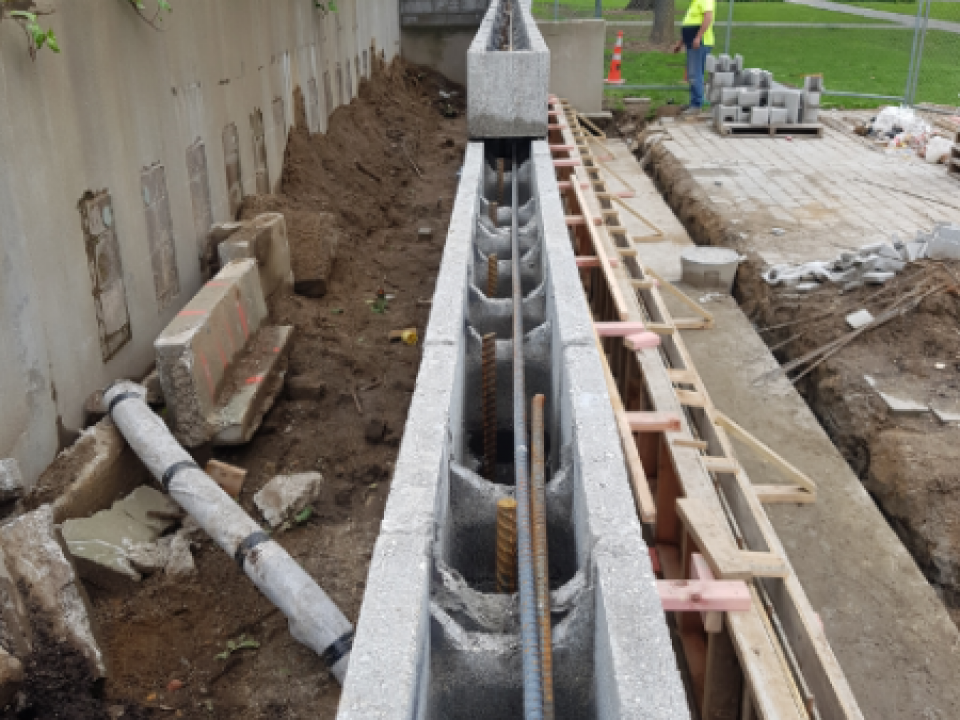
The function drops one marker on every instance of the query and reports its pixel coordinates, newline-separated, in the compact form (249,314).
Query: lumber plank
(700,570)
(720,464)
(682,297)
(638,479)
(690,443)
(652,421)
(765,564)
(764,450)
(714,540)
(779,494)
(723,681)
(704,595)
(690,398)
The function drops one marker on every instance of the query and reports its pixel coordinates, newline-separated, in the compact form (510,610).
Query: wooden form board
(770,689)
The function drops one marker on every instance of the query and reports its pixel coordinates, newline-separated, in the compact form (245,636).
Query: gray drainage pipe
(314,620)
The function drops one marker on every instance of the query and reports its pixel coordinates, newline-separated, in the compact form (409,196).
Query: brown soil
(361,172)
(909,463)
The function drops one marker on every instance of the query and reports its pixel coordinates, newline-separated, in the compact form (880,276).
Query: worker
(697,37)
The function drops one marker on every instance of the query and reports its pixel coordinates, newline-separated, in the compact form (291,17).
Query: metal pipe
(912,96)
(538,507)
(840,93)
(529,633)
(489,409)
(506,570)
(913,52)
(726,45)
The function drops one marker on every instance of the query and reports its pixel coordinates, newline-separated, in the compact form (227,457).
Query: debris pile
(872,264)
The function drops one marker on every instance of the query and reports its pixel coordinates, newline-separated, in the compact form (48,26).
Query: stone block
(508,88)
(38,561)
(11,481)
(263,239)
(286,495)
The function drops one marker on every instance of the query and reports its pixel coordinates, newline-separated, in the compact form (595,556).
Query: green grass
(855,60)
(938,10)
(743,12)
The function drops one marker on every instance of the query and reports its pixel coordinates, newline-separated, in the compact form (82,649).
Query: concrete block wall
(79,309)
(433,640)
(576,60)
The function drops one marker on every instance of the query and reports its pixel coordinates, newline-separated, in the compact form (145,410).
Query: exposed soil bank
(361,180)
(910,463)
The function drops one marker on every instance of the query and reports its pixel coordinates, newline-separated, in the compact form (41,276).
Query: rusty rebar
(492,275)
(541,566)
(489,405)
(506,572)
(494,206)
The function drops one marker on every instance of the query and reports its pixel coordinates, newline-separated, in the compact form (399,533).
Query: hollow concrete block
(778,115)
(748,98)
(730,96)
(759,116)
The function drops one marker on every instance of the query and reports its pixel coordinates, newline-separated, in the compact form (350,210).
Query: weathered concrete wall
(441,47)
(576,61)
(120,100)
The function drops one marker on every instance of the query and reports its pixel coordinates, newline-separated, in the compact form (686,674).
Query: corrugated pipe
(314,620)
(529,632)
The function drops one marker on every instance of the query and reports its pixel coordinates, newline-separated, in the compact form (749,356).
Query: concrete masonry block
(748,98)
(603,499)
(393,632)
(711,63)
(738,63)
(727,113)
(813,83)
(713,94)
(730,96)
(508,89)
(778,115)
(811,114)
(811,99)
(724,63)
(743,114)
(723,79)
(263,239)
(759,116)
(447,310)
(634,649)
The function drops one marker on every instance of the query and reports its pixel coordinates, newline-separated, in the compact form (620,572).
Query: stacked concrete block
(220,367)
(263,239)
(507,86)
(738,90)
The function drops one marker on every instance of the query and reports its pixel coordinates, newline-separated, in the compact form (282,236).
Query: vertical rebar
(492,275)
(489,409)
(538,508)
(529,632)
(494,207)
(506,545)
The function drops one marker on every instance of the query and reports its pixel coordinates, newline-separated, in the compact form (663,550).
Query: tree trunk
(640,5)
(664,16)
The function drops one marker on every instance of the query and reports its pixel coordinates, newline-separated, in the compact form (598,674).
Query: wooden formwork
(694,499)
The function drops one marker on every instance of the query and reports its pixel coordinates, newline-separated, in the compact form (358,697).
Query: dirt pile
(386,167)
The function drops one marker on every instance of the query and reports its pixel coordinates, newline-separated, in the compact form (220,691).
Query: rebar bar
(493,275)
(538,508)
(506,571)
(489,409)
(529,632)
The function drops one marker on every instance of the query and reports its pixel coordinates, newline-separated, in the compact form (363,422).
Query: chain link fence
(868,52)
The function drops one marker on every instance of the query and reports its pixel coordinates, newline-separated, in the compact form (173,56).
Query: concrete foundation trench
(907,462)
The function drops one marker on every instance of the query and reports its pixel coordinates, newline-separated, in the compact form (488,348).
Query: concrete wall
(120,99)
(576,61)
(437,33)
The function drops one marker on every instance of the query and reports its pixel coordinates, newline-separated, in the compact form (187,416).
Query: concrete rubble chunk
(180,560)
(101,544)
(11,481)
(220,366)
(946,416)
(263,239)
(37,560)
(859,318)
(286,495)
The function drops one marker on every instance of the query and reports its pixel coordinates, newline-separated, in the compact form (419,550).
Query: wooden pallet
(738,129)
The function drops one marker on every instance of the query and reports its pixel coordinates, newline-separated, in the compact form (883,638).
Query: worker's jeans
(696,61)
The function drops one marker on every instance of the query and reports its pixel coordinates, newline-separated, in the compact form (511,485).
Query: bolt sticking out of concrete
(506,545)
(492,276)
(489,409)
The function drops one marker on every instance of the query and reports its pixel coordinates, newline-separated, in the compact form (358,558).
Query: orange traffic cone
(614,77)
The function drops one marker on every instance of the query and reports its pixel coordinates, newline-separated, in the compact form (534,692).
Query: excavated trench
(908,464)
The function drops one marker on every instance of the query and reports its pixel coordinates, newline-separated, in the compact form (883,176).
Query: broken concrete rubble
(286,495)
(263,239)
(11,677)
(220,366)
(38,562)
(101,544)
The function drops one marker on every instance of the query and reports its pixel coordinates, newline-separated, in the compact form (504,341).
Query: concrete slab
(886,625)
(265,240)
